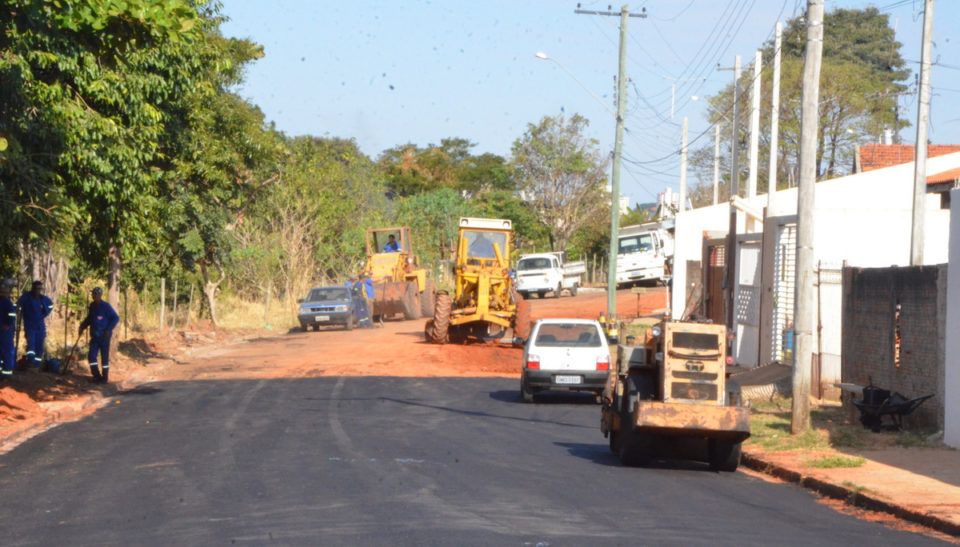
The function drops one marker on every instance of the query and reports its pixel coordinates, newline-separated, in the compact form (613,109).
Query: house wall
(871,323)
(862,220)
(951,430)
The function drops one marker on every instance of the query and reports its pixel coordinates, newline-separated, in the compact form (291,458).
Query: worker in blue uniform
(34,308)
(8,321)
(101,318)
(363,310)
(369,295)
(392,246)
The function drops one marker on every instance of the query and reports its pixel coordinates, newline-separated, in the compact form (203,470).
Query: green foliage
(561,173)
(434,219)
(411,170)
(835,461)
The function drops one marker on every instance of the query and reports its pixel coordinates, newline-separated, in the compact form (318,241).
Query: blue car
(328,306)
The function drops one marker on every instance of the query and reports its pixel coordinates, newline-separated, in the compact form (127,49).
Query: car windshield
(480,244)
(636,244)
(582,335)
(328,293)
(533,264)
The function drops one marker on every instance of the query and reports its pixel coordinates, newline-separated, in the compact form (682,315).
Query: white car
(565,355)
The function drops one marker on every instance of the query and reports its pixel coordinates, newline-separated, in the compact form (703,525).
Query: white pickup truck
(547,272)
(645,252)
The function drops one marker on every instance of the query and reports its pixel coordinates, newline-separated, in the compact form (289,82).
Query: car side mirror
(517,341)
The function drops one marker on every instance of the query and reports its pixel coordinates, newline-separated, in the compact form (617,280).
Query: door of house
(714,271)
(746,312)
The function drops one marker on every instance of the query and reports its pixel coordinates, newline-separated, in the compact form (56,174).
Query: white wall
(863,219)
(951,410)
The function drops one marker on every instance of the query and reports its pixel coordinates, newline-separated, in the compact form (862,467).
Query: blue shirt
(101,319)
(34,309)
(391,247)
(368,288)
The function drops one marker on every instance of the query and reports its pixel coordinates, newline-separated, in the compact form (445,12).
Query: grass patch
(827,462)
(831,428)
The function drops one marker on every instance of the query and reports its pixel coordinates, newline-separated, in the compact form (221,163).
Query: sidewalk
(921,485)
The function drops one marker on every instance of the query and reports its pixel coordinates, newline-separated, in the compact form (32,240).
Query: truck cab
(543,273)
(644,252)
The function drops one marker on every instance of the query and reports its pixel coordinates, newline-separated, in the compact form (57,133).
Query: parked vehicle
(544,273)
(326,306)
(485,302)
(668,398)
(645,252)
(566,355)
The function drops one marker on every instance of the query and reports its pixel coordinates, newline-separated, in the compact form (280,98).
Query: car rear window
(332,293)
(568,335)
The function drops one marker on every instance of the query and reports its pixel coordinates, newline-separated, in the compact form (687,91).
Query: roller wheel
(724,455)
(411,301)
(441,318)
(427,298)
(521,322)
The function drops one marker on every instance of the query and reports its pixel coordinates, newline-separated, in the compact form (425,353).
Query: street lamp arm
(543,56)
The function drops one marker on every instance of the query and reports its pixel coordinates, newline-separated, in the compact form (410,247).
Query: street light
(543,56)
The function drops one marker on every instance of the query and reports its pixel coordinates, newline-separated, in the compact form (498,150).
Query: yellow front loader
(400,285)
(485,302)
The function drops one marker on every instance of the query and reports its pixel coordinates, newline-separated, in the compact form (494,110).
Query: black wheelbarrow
(877,403)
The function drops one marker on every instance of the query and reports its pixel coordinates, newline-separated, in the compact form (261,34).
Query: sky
(392,72)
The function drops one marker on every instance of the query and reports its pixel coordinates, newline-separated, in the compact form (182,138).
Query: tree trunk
(45,265)
(113,276)
(211,288)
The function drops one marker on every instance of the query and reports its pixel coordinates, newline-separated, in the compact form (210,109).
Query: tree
(412,170)
(861,78)
(434,219)
(561,174)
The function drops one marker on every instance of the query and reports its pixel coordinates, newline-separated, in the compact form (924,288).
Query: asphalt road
(380,461)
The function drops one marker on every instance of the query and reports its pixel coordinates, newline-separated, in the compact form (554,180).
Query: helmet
(97,291)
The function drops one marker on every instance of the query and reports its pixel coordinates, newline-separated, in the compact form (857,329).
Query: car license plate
(560,379)
(321,318)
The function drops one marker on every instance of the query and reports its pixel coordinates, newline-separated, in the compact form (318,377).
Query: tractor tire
(723,455)
(411,301)
(541,294)
(521,321)
(427,298)
(440,333)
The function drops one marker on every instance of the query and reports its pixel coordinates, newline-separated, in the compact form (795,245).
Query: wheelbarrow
(877,403)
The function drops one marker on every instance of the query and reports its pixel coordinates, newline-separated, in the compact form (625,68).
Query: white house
(861,220)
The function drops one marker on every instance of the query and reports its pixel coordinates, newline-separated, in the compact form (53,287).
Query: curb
(850,496)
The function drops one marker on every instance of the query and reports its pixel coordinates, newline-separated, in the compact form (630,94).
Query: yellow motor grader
(668,398)
(485,302)
(400,286)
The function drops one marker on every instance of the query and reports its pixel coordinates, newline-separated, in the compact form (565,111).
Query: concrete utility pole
(683,168)
(774,120)
(716,163)
(734,189)
(755,127)
(617,148)
(920,150)
(806,295)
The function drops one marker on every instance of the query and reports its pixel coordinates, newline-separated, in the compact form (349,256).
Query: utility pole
(806,295)
(734,189)
(774,120)
(716,163)
(617,148)
(920,150)
(754,127)
(683,168)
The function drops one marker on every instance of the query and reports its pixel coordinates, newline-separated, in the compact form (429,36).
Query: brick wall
(870,320)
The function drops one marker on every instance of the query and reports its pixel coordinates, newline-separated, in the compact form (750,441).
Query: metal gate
(784,292)
(746,310)
(714,269)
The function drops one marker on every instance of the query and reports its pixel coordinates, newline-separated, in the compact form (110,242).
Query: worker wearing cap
(101,319)
(34,308)
(8,320)
(392,246)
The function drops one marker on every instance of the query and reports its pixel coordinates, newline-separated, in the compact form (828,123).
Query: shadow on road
(549,398)
(141,390)
(481,413)
(596,453)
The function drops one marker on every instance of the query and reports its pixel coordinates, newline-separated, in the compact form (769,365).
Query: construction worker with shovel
(34,309)
(101,318)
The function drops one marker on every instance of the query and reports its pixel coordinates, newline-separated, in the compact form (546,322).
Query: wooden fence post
(173,316)
(163,303)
